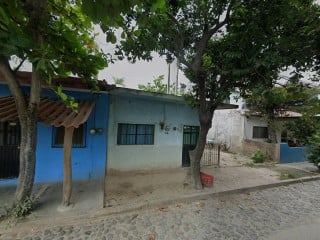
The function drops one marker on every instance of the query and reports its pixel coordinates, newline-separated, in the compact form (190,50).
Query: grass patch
(290,175)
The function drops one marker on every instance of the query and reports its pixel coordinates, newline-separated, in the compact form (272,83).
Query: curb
(201,196)
(102,213)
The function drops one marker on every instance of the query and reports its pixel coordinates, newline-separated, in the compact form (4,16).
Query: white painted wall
(167,149)
(227,128)
(250,122)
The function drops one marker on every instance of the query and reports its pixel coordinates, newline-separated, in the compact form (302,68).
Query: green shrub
(258,157)
(290,175)
(23,207)
(313,150)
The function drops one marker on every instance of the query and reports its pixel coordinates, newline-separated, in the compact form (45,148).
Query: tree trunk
(272,132)
(28,122)
(67,166)
(205,113)
(28,145)
(27,155)
(195,157)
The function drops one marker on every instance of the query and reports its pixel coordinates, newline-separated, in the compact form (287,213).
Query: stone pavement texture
(157,206)
(255,215)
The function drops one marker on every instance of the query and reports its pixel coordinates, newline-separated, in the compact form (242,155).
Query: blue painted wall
(88,162)
(292,154)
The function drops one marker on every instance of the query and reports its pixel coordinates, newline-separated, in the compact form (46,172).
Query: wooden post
(67,166)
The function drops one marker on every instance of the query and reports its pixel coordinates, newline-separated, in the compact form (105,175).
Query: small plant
(259,157)
(23,207)
(289,175)
(313,150)
(4,212)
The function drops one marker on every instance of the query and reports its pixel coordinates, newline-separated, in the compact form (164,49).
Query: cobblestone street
(255,215)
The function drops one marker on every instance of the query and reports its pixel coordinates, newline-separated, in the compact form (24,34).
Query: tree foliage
(224,44)
(276,102)
(67,47)
(157,86)
(313,148)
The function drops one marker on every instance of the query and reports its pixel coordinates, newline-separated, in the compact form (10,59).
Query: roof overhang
(144,95)
(68,83)
(51,112)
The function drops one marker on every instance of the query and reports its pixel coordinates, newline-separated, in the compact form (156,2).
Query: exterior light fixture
(93,131)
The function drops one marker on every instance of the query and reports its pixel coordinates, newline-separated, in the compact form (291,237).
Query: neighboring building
(239,130)
(149,130)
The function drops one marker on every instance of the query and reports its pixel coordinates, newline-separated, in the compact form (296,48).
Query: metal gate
(9,150)
(211,155)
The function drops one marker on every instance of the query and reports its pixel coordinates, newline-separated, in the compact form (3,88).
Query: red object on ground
(206,179)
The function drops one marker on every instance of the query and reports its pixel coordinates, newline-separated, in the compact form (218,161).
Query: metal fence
(211,155)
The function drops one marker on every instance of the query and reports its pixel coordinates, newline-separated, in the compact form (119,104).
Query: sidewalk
(133,191)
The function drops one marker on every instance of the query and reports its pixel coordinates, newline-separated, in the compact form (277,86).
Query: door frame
(189,142)
(10,137)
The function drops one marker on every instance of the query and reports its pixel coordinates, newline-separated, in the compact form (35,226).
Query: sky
(140,72)
(133,74)
(137,73)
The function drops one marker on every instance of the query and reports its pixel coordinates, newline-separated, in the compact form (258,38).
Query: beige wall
(271,150)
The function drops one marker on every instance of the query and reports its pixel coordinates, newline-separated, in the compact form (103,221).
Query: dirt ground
(142,187)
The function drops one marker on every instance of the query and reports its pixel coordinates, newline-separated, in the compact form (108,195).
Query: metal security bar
(211,155)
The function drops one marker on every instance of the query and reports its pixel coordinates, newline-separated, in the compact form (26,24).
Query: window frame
(190,134)
(54,144)
(262,133)
(135,134)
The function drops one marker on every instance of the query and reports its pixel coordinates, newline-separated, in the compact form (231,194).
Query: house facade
(149,130)
(88,150)
(125,130)
(239,130)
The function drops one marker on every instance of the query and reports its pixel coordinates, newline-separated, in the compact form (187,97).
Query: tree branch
(202,43)
(13,85)
(20,64)
(178,47)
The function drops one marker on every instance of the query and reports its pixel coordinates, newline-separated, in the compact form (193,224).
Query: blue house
(89,151)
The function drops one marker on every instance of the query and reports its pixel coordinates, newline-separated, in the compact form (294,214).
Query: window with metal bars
(259,132)
(190,135)
(78,138)
(9,134)
(135,134)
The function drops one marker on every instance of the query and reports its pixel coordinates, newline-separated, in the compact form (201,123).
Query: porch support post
(67,166)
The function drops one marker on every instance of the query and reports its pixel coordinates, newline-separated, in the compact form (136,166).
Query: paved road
(258,215)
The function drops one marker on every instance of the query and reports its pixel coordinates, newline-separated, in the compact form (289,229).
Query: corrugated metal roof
(50,112)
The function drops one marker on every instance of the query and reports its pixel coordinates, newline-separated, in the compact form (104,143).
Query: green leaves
(111,37)
(157,86)
(68,100)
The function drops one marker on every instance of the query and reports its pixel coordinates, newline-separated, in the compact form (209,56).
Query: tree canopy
(225,44)
(275,102)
